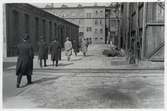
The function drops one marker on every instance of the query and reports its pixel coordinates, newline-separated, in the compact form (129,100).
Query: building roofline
(43,11)
(77,7)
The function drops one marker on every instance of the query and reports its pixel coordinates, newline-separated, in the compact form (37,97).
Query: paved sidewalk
(86,89)
(94,60)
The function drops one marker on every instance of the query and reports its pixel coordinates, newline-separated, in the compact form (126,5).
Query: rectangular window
(79,21)
(15,26)
(96,12)
(88,15)
(55,30)
(89,29)
(36,29)
(43,27)
(26,23)
(100,21)
(50,31)
(95,30)
(96,22)
(101,30)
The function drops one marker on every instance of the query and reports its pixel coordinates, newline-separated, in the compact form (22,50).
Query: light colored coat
(68,48)
(84,46)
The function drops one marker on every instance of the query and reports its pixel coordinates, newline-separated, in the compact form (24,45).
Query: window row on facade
(21,20)
(89,29)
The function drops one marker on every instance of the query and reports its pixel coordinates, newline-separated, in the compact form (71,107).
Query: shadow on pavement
(120,95)
(113,96)
(118,63)
(76,59)
(44,80)
(89,55)
(63,64)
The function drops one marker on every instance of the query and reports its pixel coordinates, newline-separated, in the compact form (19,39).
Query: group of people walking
(26,54)
(43,50)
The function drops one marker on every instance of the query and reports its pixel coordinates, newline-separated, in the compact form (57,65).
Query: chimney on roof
(95,4)
(79,5)
(64,6)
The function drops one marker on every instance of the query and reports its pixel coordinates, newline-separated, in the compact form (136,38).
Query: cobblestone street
(94,81)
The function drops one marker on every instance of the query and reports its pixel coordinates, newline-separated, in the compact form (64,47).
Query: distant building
(90,19)
(142,29)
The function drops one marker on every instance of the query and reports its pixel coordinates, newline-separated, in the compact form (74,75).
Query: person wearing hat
(68,48)
(42,51)
(75,47)
(55,49)
(24,61)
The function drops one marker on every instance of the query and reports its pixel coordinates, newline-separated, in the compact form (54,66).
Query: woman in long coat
(68,49)
(55,49)
(25,60)
(84,47)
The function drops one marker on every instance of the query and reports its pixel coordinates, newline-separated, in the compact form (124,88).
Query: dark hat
(26,37)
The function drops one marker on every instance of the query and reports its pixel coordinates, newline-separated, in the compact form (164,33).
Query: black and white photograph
(83,55)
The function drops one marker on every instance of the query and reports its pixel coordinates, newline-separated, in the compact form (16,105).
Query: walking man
(43,51)
(55,49)
(24,61)
(68,48)
(75,47)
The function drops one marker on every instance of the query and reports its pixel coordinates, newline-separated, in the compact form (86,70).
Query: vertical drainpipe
(144,30)
(137,32)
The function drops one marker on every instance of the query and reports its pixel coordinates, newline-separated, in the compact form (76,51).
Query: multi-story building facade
(20,19)
(142,29)
(90,19)
(112,24)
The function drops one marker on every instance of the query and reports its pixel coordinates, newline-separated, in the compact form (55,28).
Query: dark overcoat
(43,50)
(25,59)
(75,46)
(55,49)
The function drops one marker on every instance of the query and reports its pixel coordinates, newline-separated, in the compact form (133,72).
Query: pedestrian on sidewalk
(42,51)
(84,46)
(75,47)
(24,61)
(55,50)
(131,56)
(68,48)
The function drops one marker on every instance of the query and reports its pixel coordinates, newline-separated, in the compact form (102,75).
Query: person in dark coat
(55,49)
(131,56)
(25,61)
(42,52)
(75,47)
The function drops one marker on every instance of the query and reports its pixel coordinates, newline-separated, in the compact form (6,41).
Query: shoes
(17,86)
(29,83)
